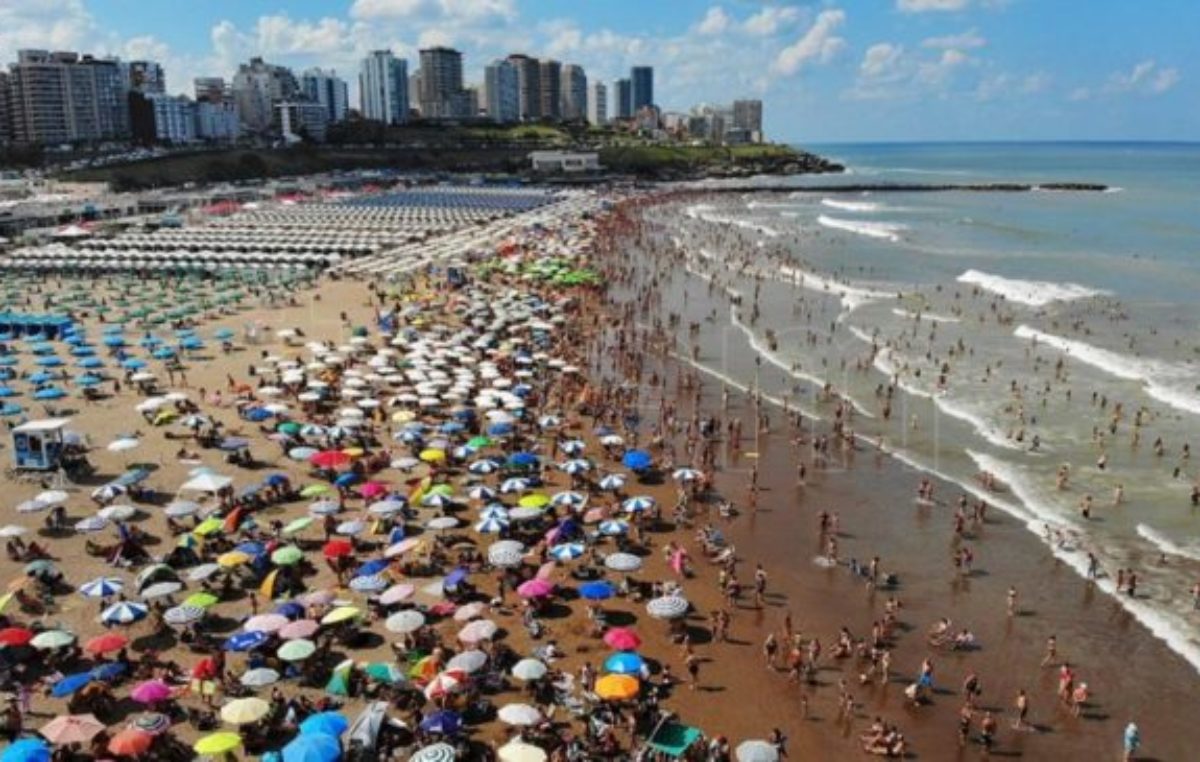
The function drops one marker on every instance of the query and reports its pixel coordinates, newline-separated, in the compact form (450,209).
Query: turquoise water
(1056,329)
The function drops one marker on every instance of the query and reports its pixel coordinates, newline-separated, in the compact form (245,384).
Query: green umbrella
(479,442)
(387,673)
(298,525)
(52,639)
(288,427)
(201,600)
(287,555)
(296,650)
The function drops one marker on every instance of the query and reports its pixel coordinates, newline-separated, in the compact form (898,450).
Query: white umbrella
(529,669)
(468,661)
(479,630)
(122,445)
(12,530)
(667,607)
(519,714)
(623,562)
(408,620)
(756,751)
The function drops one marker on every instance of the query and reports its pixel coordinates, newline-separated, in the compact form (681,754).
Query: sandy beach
(619,336)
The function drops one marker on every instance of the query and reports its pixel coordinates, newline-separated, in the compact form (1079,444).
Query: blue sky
(827,71)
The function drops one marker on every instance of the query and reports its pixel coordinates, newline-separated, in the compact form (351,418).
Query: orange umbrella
(130,742)
(108,643)
(232,521)
(617,687)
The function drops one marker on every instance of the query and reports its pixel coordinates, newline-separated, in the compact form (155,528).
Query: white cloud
(819,43)
(963,41)
(435,37)
(1079,94)
(1146,77)
(280,35)
(46,24)
(771,19)
(716,21)
(923,6)
(880,61)
(460,10)
(1037,82)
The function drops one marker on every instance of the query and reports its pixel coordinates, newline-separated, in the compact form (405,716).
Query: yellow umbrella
(208,526)
(403,416)
(354,452)
(617,687)
(165,416)
(217,743)
(414,497)
(233,558)
(341,614)
(267,588)
(536,500)
(201,600)
(432,456)
(244,711)
(5,600)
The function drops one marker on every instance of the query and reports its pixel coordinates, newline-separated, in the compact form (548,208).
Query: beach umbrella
(103,644)
(667,607)
(468,661)
(438,752)
(202,572)
(492,524)
(517,750)
(385,673)
(117,512)
(341,614)
(260,677)
(301,628)
(265,623)
(329,723)
(71,683)
(624,663)
(287,555)
(613,527)
(130,742)
(246,641)
(396,593)
(154,723)
(515,484)
(569,498)
(298,525)
(91,524)
(12,530)
(686,474)
(494,511)
(123,444)
(566,551)
(597,591)
(244,711)
(638,504)
(351,528)
(477,631)
(483,467)
(386,507)
(161,589)
(756,751)
(26,750)
(441,523)
(67,729)
(522,715)
(371,583)
(536,588)
(445,683)
(151,692)
(51,639)
(201,600)
(442,722)
(612,482)
(321,507)
(216,744)
(296,650)
(481,492)
(211,525)
(32,506)
(102,587)
(124,613)
(534,501)
(180,616)
(312,747)
(529,669)
(506,553)
(337,549)
(405,621)
(616,687)
(622,639)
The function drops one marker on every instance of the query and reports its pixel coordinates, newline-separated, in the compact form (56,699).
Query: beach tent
(673,739)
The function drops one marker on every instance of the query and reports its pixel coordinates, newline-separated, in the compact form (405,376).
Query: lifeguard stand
(38,445)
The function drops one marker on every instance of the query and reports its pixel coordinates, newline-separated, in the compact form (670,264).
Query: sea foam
(1029,292)
(886,230)
(850,206)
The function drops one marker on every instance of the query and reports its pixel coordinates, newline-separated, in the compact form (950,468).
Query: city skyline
(896,69)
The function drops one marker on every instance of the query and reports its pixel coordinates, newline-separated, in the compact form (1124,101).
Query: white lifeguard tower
(38,445)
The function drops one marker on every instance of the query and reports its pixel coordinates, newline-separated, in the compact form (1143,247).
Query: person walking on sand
(1133,740)
(1022,707)
(770,649)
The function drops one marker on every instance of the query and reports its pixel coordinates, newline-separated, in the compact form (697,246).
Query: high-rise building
(643,87)
(574,93)
(257,87)
(61,97)
(597,105)
(503,99)
(5,110)
(302,120)
(624,102)
(328,90)
(162,118)
(550,79)
(747,115)
(217,121)
(529,87)
(384,87)
(211,89)
(146,77)
(441,94)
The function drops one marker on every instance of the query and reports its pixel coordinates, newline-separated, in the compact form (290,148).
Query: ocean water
(1022,332)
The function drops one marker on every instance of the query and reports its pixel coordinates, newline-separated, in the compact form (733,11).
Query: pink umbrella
(151,692)
(480,629)
(622,639)
(371,490)
(677,560)
(265,623)
(301,628)
(317,598)
(469,611)
(545,570)
(535,588)
(401,547)
(396,594)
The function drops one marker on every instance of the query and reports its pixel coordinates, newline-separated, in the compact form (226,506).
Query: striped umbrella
(101,587)
(124,613)
(566,551)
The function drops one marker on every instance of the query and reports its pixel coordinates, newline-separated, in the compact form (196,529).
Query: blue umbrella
(41,377)
(163,353)
(442,722)
(49,393)
(597,591)
(256,415)
(110,670)
(312,747)
(90,363)
(8,360)
(522,459)
(191,342)
(83,351)
(70,684)
(113,340)
(246,641)
(346,479)
(624,663)
(124,613)
(133,363)
(149,341)
(10,409)
(251,548)
(372,567)
(87,379)
(27,750)
(223,334)
(49,361)
(290,609)
(324,723)
(42,348)
(232,444)
(276,480)
(636,460)
(456,577)
(452,427)
(500,429)
(7,391)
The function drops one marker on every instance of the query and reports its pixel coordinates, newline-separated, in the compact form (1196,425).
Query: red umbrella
(622,639)
(130,742)
(338,548)
(103,644)
(205,670)
(15,636)
(329,459)
(372,489)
